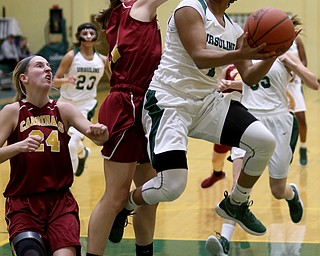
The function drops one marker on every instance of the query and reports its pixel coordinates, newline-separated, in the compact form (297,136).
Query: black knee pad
(28,244)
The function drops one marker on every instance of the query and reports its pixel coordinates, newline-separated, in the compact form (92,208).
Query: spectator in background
(9,52)
(23,49)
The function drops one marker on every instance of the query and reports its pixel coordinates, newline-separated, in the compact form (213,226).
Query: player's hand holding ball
(271,26)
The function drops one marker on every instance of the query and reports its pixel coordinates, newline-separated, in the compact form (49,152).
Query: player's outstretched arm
(71,116)
(293,63)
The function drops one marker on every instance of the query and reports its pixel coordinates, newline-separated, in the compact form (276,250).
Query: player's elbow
(199,63)
(250,81)
(199,59)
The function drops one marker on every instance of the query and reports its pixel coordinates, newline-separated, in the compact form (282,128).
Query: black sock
(144,250)
(217,173)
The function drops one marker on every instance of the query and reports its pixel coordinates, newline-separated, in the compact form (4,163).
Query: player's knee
(259,144)
(166,187)
(268,144)
(258,140)
(174,187)
(28,243)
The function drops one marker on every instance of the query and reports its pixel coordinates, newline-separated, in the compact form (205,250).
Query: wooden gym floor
(183,225)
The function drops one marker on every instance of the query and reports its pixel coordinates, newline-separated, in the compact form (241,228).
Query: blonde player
(41,213)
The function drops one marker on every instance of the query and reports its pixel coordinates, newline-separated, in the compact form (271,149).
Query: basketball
(271,26)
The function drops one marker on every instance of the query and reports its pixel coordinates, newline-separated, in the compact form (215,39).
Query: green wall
(33,18)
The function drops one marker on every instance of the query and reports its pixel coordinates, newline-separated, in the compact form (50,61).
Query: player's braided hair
(104,14)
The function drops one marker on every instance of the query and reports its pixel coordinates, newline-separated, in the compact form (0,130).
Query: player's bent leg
(166,187)
(171,179)
(259,144)
(28,243)
(144,219)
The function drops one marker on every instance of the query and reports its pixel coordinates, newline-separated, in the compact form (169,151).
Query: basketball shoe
(240,214)
(295,205)
(217,246)
(82,162)
(208,182)
(120,222)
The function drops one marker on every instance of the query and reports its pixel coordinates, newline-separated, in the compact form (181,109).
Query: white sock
(239,194)
(303,145)
(81,151)
(227,230)
(290,198)
(131,205)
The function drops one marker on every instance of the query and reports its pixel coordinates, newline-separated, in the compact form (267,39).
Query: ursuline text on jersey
(88,69)
(218,42)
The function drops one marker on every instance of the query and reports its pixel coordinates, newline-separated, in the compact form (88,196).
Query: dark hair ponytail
(103,15)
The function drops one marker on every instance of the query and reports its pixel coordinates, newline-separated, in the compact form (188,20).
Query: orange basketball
(271,26)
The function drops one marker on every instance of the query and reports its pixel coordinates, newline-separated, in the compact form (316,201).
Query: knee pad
(28,243)
(165,187)
(259,145)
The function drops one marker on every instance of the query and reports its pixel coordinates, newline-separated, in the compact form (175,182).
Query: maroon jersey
(134,48)
(232,74)
(134,53)
(49,168)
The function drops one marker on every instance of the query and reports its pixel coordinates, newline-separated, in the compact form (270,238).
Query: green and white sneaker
(82,162)
(241,214)
(295,205)
(217,246)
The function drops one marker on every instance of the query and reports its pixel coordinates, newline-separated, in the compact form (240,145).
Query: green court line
(197,248)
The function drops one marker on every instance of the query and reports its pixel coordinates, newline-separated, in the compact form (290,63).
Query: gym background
(33,17)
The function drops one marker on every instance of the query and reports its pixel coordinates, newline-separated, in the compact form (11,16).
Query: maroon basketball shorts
(121,113)
(221,149)
(54,215)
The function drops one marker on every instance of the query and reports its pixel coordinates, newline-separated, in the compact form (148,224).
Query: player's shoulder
(104,58)
(11,107)
(10,110)
(68,57)
(70,54)
(200,5)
